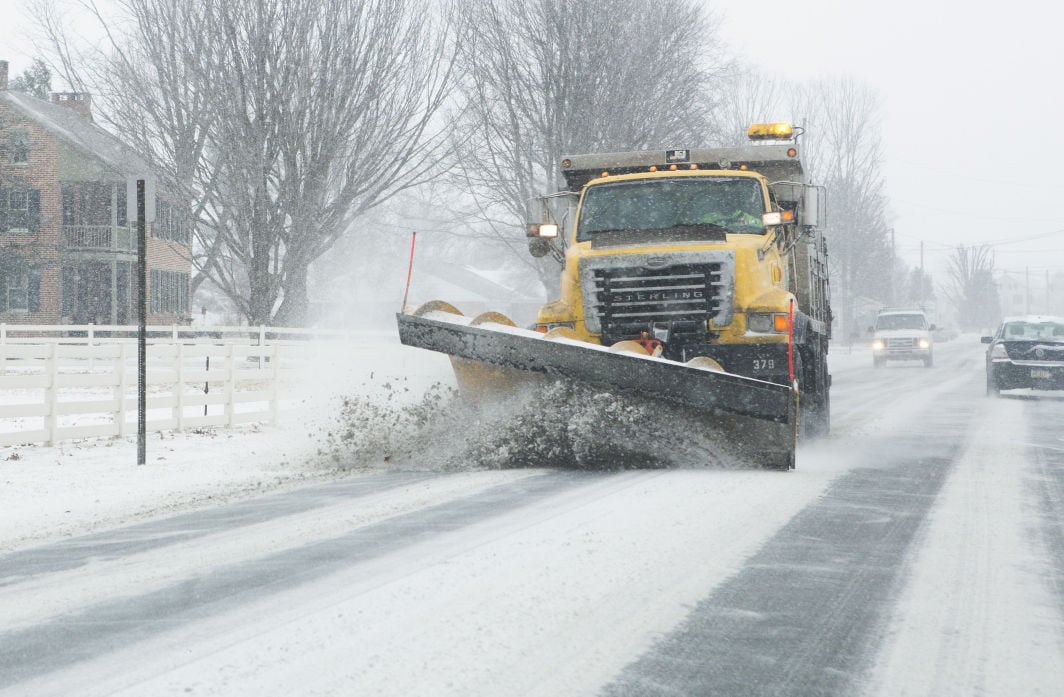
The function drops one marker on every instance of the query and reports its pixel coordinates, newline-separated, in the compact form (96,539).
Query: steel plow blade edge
(758,416)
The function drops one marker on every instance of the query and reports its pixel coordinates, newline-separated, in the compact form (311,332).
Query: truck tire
(821,424)
(929,361)
(817,396)
(878,362)
(814,410)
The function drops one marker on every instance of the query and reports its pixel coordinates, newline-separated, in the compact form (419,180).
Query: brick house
(67,252)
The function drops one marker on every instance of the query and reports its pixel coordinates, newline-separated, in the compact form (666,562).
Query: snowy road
(918,551)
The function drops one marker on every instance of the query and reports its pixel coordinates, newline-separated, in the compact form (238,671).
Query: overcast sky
(973,125)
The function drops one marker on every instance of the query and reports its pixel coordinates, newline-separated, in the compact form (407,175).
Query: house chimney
(3,75)
(81,102)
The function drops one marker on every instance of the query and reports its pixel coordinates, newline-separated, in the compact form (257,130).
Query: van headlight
(878,345)
(924,344)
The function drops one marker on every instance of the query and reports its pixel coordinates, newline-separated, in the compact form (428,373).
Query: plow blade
(754,420)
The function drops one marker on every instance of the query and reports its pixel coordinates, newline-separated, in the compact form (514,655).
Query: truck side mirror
(541,238)
(813,207)
(986,339)
(538,246)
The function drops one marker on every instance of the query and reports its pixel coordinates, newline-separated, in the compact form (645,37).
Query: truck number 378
(764,363)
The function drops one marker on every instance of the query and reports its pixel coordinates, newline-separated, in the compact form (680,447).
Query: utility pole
(140,206)
(142,319)
(921,305)
(1027,293)
(893,298)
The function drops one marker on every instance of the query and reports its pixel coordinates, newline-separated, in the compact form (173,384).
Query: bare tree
(546,78)
(283,119)
(843,151)
(918,287)
(748,97)
(971,288)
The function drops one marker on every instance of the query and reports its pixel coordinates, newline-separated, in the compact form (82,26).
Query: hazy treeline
(288,123)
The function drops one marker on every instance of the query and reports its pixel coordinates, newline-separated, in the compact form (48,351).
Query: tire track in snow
(976,615)
(1046,445)
(551,597)
(806,612)
(149,557)
(159,533)
(111,623)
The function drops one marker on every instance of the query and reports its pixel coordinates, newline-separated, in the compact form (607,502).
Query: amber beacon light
(770,131)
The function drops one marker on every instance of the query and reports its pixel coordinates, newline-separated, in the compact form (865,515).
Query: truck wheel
(992,387)
(805,400)
(929,361)
(820,424)
(779,461)
(878,362)
(815,402)
(814,409)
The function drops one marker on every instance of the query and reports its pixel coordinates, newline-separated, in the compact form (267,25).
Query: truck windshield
(901,322)
(734,204)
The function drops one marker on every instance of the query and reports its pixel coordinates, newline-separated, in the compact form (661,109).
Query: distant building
(67,251)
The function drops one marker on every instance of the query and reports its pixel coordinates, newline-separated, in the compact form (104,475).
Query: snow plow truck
(693,278)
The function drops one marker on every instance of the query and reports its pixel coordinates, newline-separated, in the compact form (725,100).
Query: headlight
(766,323)
(878,345)
(998,353)
(924,343)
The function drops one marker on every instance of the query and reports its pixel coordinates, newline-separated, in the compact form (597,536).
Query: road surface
(917,551)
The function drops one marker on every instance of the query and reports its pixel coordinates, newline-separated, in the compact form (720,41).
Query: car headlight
(924,343)
(878,345)
(998,353)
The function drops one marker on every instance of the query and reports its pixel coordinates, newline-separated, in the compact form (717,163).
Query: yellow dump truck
(695,277)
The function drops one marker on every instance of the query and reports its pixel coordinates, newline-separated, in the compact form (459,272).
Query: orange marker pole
(409,269)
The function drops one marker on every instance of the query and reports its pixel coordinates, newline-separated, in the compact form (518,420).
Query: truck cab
(713,254)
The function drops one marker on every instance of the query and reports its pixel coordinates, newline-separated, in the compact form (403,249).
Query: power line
(970,215)
(988,243)
(960,175)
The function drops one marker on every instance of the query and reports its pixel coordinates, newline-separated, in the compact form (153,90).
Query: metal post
(1027,291)
(142,312)
(206,384)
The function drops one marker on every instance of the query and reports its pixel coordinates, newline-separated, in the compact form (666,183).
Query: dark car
(1026,352)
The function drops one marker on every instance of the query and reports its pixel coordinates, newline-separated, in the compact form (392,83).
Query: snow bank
(80,486)
(77,487)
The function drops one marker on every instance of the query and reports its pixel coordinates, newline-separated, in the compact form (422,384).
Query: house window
(169,293)
(20,210)
(17,291)
(19,143)
(20,289)
(171,222)
(86,203)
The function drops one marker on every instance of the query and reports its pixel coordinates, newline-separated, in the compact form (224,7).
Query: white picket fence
(60,383)
(168,333)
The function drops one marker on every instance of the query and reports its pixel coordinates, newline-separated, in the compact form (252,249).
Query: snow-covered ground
(916,552)
(82,486)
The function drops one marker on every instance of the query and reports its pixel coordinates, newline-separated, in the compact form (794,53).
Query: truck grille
(901,345)
(621,301)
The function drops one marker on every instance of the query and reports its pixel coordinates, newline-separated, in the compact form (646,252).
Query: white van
(902,335)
